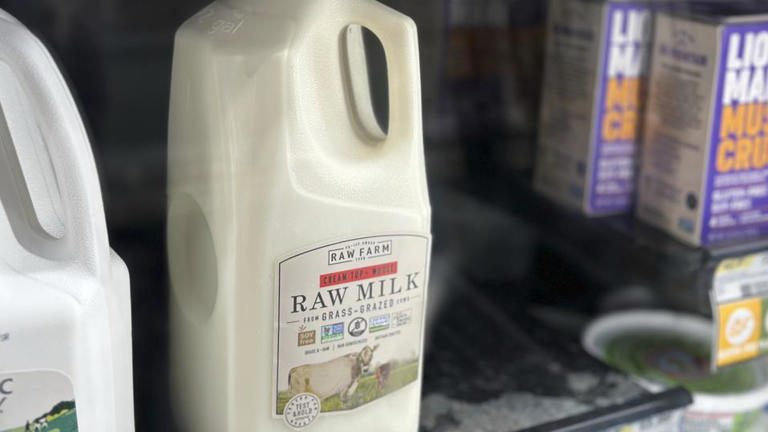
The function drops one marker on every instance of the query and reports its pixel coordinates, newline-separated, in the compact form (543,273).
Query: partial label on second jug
(37,401)
(350,324)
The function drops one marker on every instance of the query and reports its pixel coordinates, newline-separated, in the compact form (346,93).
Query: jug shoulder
(303,9)
(226,29)
(260,24)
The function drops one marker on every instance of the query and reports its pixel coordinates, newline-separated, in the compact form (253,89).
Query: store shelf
(492,367)
(617,251)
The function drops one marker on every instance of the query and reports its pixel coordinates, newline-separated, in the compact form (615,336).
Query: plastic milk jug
(65,323)
(299,218)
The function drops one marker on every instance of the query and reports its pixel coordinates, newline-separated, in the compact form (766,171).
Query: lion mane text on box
(705,156)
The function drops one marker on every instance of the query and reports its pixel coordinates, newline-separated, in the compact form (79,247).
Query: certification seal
(302,410)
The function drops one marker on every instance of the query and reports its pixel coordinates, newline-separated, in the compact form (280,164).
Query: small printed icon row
(355,328)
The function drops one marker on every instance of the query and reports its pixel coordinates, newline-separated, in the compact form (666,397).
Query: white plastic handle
(85,241)
(399,37)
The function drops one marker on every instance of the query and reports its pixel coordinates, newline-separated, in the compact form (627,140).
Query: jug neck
(258,4)
(243,4)
(240,4)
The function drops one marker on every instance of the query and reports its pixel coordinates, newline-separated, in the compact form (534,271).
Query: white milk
(299,229)
(65,323)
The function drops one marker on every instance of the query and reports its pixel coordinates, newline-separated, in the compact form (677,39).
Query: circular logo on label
(740,327)
(358,326)
(302,410)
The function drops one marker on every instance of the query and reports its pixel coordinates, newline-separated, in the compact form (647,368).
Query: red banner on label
(354,275)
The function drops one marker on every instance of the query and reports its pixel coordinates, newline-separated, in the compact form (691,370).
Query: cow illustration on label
(340,376)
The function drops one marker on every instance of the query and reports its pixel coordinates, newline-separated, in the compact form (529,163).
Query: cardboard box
(596,71)
(705,153)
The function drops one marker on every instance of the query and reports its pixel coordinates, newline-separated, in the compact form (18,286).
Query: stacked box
(596,67)
(705,157)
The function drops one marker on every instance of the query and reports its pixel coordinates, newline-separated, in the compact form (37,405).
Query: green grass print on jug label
(368,391)
(64,423)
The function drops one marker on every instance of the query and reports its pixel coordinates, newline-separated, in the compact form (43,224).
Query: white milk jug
(65,324)
(299,220)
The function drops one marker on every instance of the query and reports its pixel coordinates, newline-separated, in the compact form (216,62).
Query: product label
(37,401)
(739,331)
(350,318)
(740,297)
(568,98)
(622,90)
(659,423)
(721,422)
(737,187)
(676,134)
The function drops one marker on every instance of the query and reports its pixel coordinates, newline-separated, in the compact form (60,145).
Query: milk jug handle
(399,37)
(85,241)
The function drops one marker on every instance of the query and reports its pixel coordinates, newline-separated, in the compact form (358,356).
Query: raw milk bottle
(299,218)
(65,316)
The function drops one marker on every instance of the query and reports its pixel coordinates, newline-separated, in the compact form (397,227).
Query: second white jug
(65,314)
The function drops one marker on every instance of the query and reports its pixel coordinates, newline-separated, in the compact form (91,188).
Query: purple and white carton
(705,157)
(596,72)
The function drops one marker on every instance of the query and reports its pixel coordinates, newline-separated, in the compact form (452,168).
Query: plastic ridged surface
(65,302)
